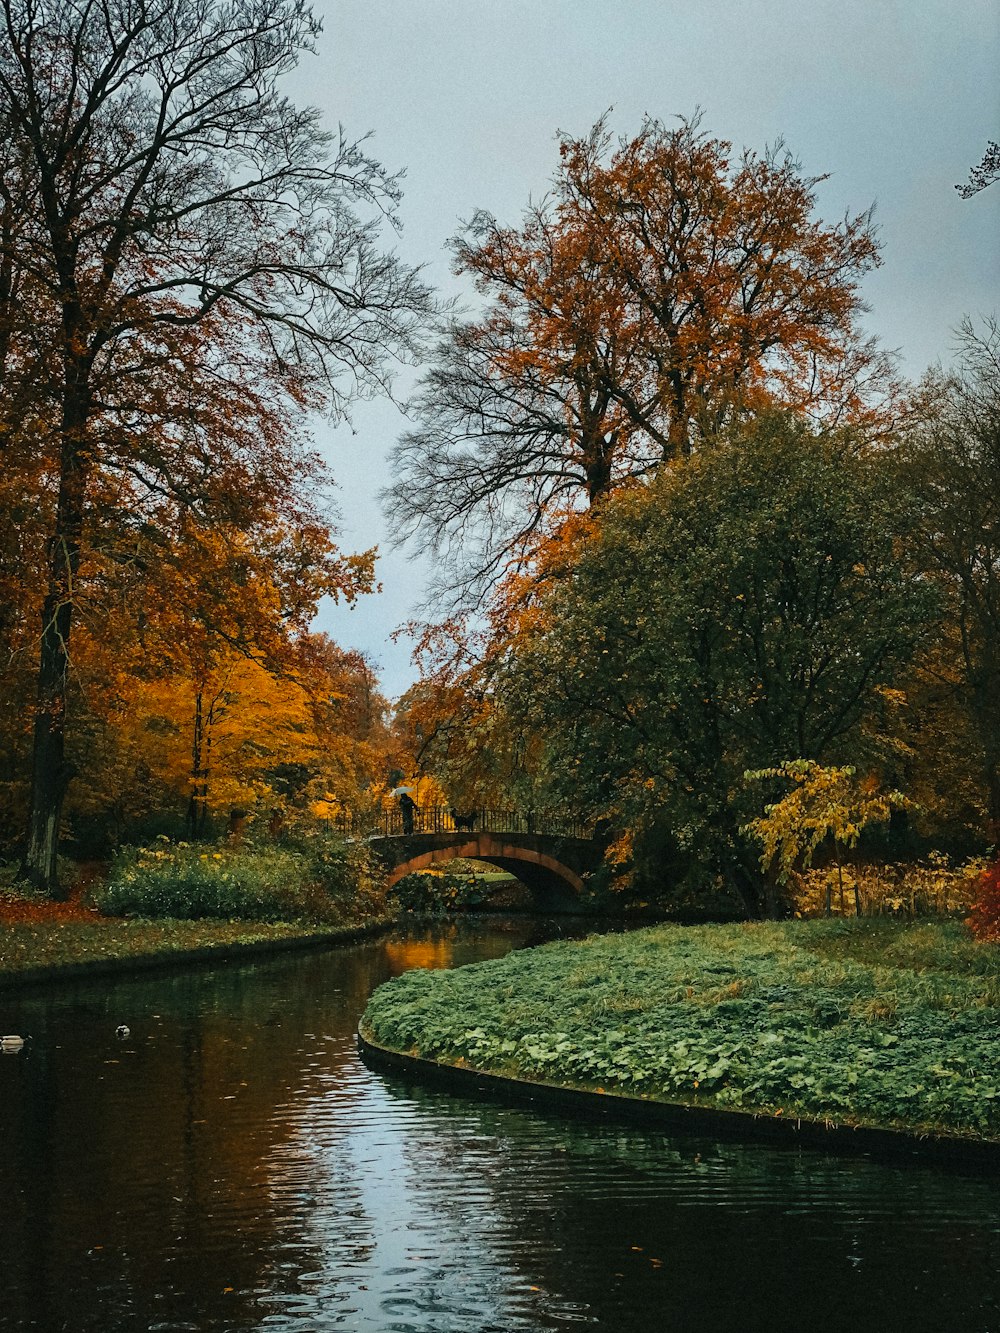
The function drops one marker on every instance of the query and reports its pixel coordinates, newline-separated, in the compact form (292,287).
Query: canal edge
(685,1118)
(234,952)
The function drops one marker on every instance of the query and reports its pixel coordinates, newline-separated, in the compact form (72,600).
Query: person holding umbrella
(407,806)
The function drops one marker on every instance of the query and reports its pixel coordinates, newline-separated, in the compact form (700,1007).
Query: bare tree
(984,174)
(191,227)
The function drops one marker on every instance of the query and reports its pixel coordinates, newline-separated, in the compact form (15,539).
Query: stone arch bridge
(552,864)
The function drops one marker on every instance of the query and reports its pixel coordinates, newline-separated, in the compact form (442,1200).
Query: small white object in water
(121,1032)
(11,1044)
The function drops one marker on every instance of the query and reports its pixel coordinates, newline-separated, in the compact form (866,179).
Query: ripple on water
(237,1167)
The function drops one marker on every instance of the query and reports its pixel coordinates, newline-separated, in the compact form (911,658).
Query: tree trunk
(50,773)
(993,798)
(750,890)
(199,773)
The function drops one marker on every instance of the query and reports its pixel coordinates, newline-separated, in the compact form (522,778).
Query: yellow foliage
(823,802)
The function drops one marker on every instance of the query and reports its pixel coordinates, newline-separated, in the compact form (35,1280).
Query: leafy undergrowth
(37,933)
(869,1022)
(322,881)
(451,890)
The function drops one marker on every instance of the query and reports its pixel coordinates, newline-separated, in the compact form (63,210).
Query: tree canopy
(952,455)
(188,263)
(743,609)
(664,288)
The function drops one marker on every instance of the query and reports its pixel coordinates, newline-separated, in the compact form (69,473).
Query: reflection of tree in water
(452,943)
(628,1228)
(145,1169)
(236,1141)
(405,954)
(172,1177)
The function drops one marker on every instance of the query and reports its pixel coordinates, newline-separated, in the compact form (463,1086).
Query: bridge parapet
(483,819)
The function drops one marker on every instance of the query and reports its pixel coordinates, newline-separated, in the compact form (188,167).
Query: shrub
(322,885)
(931,887)
(984,918)
(437,891)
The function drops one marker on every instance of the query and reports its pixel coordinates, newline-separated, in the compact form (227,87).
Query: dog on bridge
(466,822)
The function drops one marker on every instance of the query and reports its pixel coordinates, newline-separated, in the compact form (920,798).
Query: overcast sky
(895,100)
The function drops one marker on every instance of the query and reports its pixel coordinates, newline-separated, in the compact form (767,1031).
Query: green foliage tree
(952,456)
(748,605)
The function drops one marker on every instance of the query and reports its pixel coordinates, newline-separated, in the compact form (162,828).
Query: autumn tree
(455,724)
(203,742)
(192,242)
(823,803)
(746,606)
(664,288)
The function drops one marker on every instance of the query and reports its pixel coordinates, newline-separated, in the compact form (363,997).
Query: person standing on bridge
(408,807)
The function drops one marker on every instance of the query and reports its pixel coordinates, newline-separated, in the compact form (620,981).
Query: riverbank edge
(165,959)
(687,1117)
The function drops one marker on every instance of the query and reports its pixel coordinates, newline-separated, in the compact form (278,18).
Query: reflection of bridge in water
(551,854)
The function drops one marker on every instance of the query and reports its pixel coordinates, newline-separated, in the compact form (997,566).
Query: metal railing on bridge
(439,819)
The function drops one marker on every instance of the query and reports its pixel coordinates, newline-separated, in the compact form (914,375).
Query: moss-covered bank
(864,1023)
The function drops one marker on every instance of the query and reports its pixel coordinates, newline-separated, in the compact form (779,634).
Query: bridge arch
(542,873)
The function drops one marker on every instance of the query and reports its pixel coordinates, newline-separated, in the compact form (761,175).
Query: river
(232,1165)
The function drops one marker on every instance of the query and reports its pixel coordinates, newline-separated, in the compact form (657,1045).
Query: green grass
(24,948)
(27,949)
(870,1022)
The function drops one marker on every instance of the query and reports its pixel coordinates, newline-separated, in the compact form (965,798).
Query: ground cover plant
(865,1022)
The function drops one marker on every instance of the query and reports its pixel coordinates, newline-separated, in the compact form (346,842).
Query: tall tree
(195,240)
(953,452)
(660,291)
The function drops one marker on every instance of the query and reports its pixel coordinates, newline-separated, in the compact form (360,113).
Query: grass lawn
(38,936)
(26,949)
(871,1022)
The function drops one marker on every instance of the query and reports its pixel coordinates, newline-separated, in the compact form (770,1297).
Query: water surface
(234,1166)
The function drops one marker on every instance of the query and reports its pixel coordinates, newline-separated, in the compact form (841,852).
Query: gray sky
(895,100)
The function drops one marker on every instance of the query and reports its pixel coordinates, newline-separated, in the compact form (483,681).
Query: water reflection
(234,1166)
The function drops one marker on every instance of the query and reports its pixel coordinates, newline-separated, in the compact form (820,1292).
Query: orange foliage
(222,731)
(984,919)
(663,288)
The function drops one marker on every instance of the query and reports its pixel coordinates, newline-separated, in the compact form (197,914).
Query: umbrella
(401,791)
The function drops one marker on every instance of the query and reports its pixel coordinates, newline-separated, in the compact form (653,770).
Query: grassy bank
(174,902)
(861,1022)
(45,949)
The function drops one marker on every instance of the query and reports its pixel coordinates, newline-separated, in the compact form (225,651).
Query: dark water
(234,1166)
